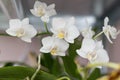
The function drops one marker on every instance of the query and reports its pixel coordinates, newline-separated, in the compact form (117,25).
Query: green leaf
(57,68)
(71,68)
(74,47)
(22,72)
(8,64)
(69,61)
(10,79)
(95,74)
(47,61)
(52,64)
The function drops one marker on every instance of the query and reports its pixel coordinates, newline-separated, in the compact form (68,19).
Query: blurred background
(15,50)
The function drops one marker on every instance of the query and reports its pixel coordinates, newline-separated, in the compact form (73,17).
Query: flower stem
(64,78)
(43,33)
(34,75)
(98,35)
(46,28)
(110,65)
(85,71)
(27,78)
(2,34)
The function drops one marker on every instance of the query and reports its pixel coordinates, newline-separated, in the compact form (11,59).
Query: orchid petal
(42,10)
(47,44)
(25,21)
(45,18)
(38,3)
(72,33)
(106,20)
(25,31)
(58,23)
(14,23)
(102,56)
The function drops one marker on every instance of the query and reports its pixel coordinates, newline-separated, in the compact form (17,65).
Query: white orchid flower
(87,32)
(65,29)
(109,30)
(21,29)
(54,46)
(42,10)
(93,51)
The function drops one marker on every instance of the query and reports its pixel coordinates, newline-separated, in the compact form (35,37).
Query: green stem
(27,78)
(2,34)
(89,66)
(85,74)
(46,28)
(38,34)
(34,75)
(110,65)
(43,33)
(62,78)
(98,35)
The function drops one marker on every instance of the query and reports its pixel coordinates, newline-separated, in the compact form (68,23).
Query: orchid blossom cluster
(64,32)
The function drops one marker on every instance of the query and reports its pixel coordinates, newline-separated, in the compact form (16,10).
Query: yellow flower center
(92,55)
(61,35)
(53,51)
(20,32)
(41,11)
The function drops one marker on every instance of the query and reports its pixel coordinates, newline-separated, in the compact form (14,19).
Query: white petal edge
(72,33)
(30,31)
(51,12)
(102,56)
(25,21)
(51,6)
(38,3)
(58,23)
(11,32)
(81,53)
(106,20)
(14,23)
(34,13)
(26,39)
(71,21)
(47,43)
(44,50)
(62,45)
(88,45)
(60,54)
(45,18)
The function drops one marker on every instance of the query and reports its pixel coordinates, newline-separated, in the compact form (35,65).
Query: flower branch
(109,64)
(39,66)
(46,28)
(63,78)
